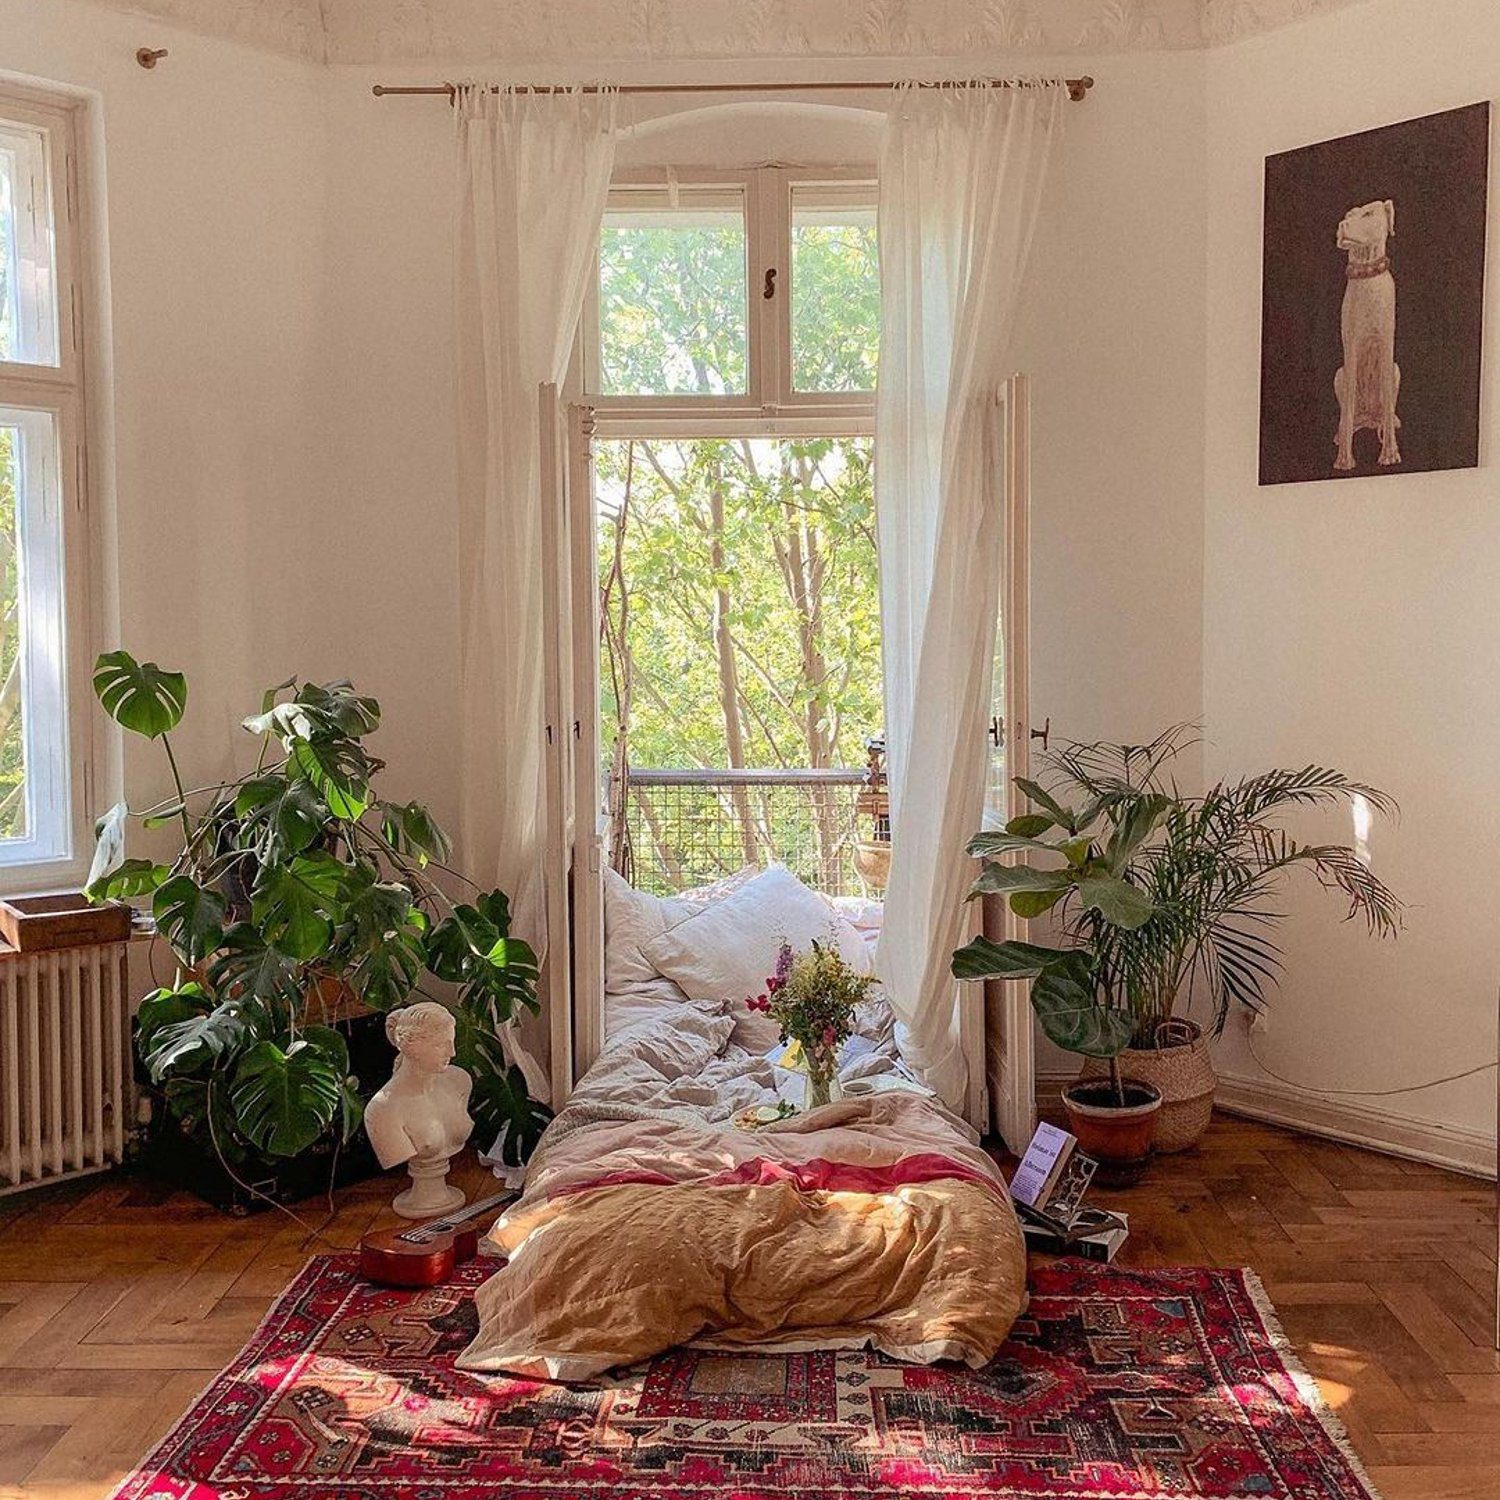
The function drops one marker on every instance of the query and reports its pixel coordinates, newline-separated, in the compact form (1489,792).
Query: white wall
(213,183)
(1112,337)
(1353,623)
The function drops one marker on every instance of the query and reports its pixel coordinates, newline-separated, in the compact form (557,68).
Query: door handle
(1043,733)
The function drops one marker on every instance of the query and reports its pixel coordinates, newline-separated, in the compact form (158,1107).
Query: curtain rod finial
(1078,89)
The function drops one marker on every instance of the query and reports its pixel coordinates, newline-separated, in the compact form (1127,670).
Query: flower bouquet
(812,997)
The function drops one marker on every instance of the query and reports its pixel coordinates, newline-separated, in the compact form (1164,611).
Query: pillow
(634,993)
(724,953)
(864,914)
(631,919)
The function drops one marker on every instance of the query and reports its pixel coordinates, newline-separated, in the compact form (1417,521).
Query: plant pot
(1118,1138)
(1184,1075)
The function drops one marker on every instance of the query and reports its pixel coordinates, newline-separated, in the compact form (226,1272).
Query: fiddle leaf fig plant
(292,889)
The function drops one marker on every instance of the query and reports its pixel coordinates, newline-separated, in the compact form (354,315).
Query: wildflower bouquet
(812,997)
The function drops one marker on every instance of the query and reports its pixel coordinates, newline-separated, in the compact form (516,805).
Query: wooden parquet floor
(119,1302)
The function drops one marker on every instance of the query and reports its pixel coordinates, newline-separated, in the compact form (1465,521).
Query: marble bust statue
(421,1116)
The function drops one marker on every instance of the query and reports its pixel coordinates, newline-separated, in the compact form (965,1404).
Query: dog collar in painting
(1375,268)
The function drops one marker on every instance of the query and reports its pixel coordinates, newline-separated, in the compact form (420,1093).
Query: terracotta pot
(1119,1139)
(1184,1075)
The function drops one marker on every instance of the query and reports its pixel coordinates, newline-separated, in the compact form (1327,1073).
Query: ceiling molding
(474,32)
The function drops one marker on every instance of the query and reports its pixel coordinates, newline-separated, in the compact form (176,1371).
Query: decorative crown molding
(474,32)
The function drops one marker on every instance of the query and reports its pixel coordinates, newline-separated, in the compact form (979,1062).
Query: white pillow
(724,953)
(631,919)
(634,993)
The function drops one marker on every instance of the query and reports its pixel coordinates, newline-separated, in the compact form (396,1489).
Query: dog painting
(1373,301)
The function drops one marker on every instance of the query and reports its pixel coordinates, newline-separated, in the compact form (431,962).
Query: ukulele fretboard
(424,1234)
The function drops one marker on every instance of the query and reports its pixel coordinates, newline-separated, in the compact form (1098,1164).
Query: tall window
(43,619)
(730,355)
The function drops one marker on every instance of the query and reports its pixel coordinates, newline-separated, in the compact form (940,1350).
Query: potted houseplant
(298,899)
(1201,870)
(1115,1120)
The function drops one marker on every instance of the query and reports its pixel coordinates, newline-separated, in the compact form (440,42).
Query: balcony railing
(688,828)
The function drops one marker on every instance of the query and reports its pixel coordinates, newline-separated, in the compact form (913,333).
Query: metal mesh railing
(688,828)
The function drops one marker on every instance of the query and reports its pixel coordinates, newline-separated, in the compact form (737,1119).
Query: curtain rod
(1078,88)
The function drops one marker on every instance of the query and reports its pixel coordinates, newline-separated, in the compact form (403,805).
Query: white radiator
(65,1086)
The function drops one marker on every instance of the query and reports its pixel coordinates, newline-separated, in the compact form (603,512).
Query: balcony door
(730,347)
(1008,1032)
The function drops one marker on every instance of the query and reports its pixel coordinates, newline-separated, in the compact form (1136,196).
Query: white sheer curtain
(961,178)
(533,178)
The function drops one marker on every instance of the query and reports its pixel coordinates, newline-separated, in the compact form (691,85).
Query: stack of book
(1048,1189)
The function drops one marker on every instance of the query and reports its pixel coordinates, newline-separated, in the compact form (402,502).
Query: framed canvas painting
(1372,314)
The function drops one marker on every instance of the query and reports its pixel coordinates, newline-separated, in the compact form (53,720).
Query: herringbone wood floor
(117,1303)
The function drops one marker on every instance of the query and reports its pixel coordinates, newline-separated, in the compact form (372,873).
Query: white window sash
(771,407)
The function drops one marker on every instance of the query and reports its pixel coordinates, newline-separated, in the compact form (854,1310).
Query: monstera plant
(294,890)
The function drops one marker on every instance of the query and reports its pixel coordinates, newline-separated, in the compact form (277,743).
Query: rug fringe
(1307,1386)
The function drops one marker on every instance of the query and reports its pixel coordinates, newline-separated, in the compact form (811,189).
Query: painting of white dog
(1372,318)
(1369,380)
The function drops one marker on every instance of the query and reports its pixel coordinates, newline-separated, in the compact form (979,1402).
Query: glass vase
(819,1090)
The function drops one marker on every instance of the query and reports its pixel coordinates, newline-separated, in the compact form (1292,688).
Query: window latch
(770,288)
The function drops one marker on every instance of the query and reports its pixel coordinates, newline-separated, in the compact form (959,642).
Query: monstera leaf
(341,772)
(175,1048)
(501,1107)
(245,963)
(189,917)
(139,696)
(412,830)
(281,815)
(499,973)
(296,905)
(284,1101)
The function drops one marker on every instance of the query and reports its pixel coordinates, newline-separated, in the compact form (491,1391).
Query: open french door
(573,971)
(1009,1036)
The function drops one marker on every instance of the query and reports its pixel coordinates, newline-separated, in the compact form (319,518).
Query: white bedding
(685,1067)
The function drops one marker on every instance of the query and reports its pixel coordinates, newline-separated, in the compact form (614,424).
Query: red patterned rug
(1116,1385)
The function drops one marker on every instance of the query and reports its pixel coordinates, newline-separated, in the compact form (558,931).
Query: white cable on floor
(1414,1088)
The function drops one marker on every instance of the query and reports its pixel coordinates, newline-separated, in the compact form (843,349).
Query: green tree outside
(739,586)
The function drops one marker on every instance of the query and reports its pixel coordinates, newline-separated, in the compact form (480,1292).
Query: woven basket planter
(1184,1075)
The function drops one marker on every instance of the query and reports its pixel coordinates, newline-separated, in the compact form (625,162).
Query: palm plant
(1202,872)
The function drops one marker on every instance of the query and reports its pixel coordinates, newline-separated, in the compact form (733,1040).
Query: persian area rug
(1116,1384)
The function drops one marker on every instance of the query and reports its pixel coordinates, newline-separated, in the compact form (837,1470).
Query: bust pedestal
(431,1194)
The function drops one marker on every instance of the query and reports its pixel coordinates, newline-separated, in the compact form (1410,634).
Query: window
(749,294)
(729,355)
(44,636)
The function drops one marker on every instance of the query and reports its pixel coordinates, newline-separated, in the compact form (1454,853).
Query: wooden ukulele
(425,1254)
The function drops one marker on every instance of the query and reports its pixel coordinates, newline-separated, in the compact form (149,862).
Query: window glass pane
(835,289)
(13,819)
(34,816)
(28,310)
(672,319)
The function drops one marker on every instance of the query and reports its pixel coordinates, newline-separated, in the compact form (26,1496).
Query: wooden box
(33,924)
